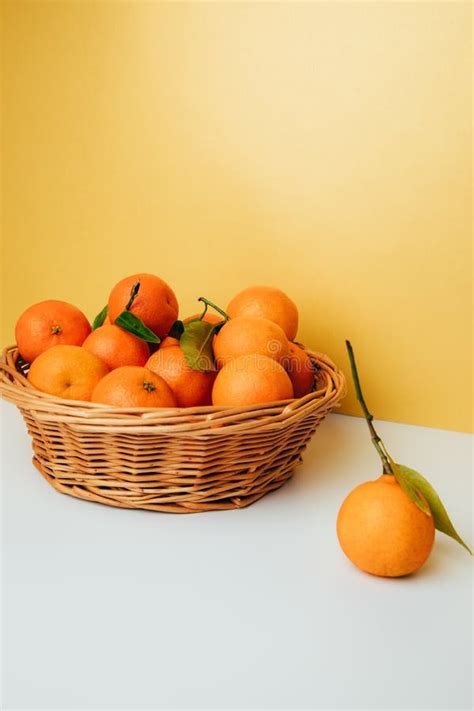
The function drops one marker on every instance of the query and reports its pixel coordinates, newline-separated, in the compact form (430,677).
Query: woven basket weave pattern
(175,460)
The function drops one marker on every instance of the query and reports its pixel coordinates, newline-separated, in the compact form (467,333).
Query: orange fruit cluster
(254,359)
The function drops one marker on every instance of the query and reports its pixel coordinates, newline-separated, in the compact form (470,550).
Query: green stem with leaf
(414,484)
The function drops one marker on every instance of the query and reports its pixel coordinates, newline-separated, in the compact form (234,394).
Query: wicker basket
(174,460)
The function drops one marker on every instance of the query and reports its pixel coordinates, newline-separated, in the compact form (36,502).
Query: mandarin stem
(134,291)
(204,312)
(209,303)
(377,442)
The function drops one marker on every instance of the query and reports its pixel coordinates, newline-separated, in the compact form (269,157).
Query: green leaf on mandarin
(131,323)
(196,344)
(423,494)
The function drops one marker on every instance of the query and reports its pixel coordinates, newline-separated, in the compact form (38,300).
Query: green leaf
(419,488)
(196,344)
(409,488)
(176,330)
(100,318)
(131,323)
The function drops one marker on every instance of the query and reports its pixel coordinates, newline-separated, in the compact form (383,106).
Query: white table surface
(253,609)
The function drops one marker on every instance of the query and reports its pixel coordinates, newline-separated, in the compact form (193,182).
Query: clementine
(155,303)
(209,317)
(382,531)
(191,388)
(169,341)
(266,302)
(244,335)
(50,323)
(299,367)
(251,379)
(133,386)
(117,347)
(69,372)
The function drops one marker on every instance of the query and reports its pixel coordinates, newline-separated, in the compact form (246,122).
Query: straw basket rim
(330,388)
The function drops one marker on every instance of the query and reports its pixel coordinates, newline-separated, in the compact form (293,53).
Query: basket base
(96,495)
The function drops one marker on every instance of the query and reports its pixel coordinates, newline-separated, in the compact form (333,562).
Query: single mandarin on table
(382,531)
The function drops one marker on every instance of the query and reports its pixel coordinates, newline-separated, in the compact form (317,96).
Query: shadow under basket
(174,460)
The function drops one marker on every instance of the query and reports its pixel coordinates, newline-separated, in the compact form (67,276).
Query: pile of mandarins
(138,353)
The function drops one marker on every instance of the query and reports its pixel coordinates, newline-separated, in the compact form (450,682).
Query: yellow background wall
(320,147)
